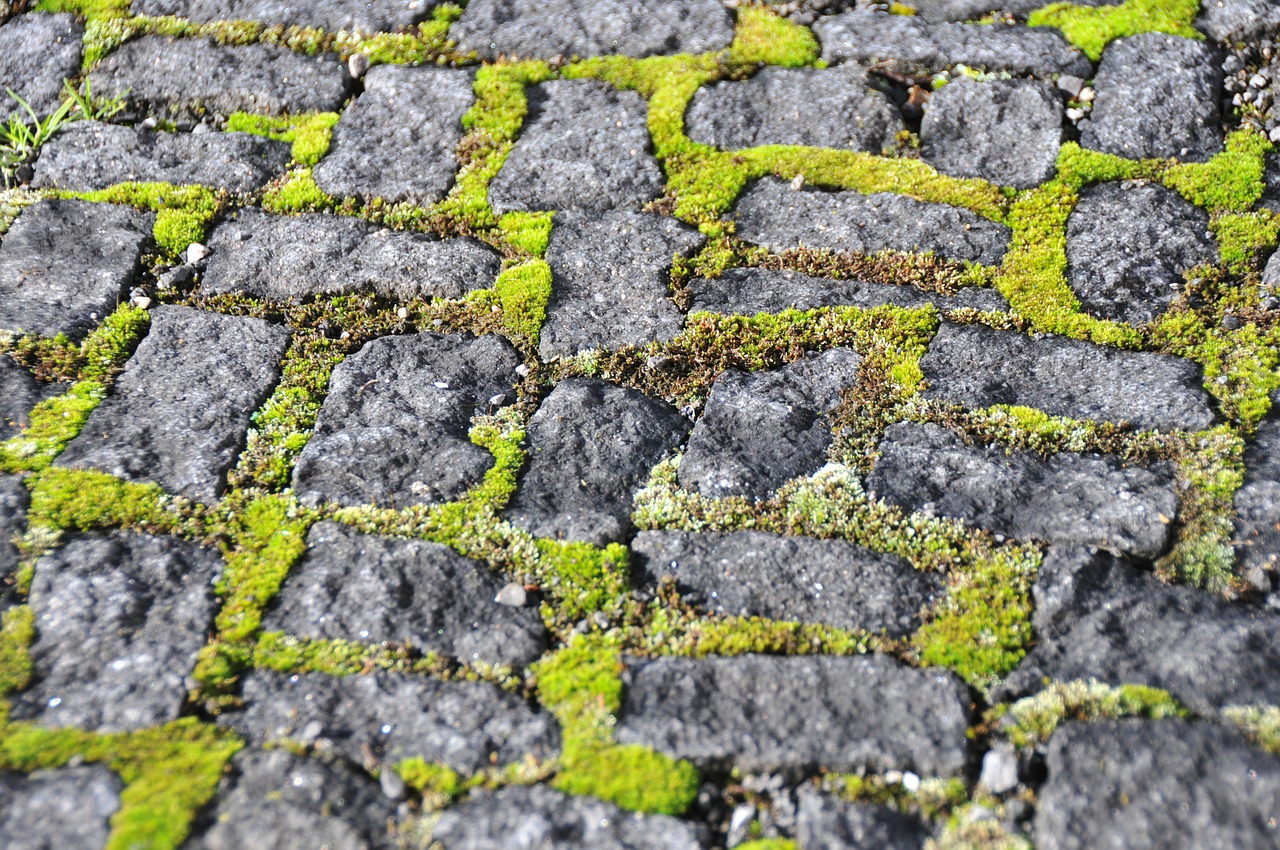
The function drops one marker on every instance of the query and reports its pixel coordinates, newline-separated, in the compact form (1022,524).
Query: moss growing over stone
(182,212)
(1030,722)
(1092,28)
(763,36)
(310,134)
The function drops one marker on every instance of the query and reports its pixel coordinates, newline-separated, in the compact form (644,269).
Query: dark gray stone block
(365,16)
(278,799)
(761,429)
(972,10)
(296,257)
(549,28)
(1127,249)
(611,281)
(19,393)
(58,809)
(1096,617)
(1081,499)
(1238,20)
(591,446)
(753,290)
(831,108)
(396,140)
(65,265)
(89,155)
(179,413)
(13,522)
(752,573)
(759,713)
(37,54)
(1004,131)
(543,819)
(120,618)
(913,44)
(772,214)
(393,428)
(189,76)
(1257,505)
(467,725)
(1156,785)
(979,367)
(370,589)
(584,146)
(824,822)
(1157,97)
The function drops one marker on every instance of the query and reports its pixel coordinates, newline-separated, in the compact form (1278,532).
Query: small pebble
(358,65)
(392,784)
(512,595)
(195,253)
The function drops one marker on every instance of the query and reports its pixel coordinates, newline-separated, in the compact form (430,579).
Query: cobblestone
(71,808)
(749,291)
(49,44)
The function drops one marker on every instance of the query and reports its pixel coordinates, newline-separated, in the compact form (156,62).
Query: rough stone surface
(119,620)
(761,429)
(753,573)
(19,393)
(1128,247)
(13,522)
(370,589)
(64,265)
(1157,97)
(772,214)
(591,446)
(831,108)
(294,803)
(182,77)
(549,28)
(753,290)
(1165,784)
(921,45)
(396,141)
(542,819)
(295,257)
(611,280)
(67,809)
(1257,505)
(1004,131)
(179,413)
(1096,617)
(1082,499)
(393,428)
(972,10)
(395,717)
(584,146)
(366,16)
(824,822)
(1238,20)
(37,53)
(89,155)
(760,713)
(980,367)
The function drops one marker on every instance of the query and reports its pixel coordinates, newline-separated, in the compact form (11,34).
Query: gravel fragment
(825,822)
(1257,505)
(365,16)
(37,54)
(1238,20)
(58,809)
(370,589)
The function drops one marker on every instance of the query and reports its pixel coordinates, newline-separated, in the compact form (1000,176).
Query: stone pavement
(682,424)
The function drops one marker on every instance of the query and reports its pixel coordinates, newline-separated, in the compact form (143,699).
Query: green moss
(583,578)
(434,780)
(767,844)
(1030,722)
(763,36)
(86,8)
(84,499)
(1092,28)
(1242,238)
(1229,182)
(290,654)
(54,423)
(182,212)
(530,232)
(977,827)
(427,42)
(296,193)
(17,631)
(630,776)
(309,134)
(1261,724)
(524,291)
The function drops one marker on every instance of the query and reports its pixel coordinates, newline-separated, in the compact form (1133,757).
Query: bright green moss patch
(1261,724)
(296,193)
(86,8)
(530,232)
(1229,182)
(524,291)
(767,844)
(431,780)
(583,578)
(290,654)
(424,43)
(1243,237)
(182,212)
(54,423)
(1092,28)
(309,134)
(1032,721)
(630,776)
(83,499)
(17,631)
(762,36)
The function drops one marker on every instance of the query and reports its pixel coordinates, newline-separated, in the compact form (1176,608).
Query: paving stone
(921,45)
(179,413)
(798,713)
(611,281)
(1084,499)
(1096,617)
(119,619)
(365,16)
(753,573)
(761,429)
(1161,784)
(1157,97)
(13,522)
(284,258)
(64,265)
(972,10)
(1004,131)
(831,108)
(393,428)
(288,802)
(591,446)
(1257,505)
(394,717)
(584,146)
(1238,20)
(824,822)
(37,54)
(396,140)
(754,290)
(772,214)
(371,589)
(1271,183)
(188,76)
(542,819)
(1127,249)
(979,367)
(58,809)
(89,155)
(19,393)
(549,28)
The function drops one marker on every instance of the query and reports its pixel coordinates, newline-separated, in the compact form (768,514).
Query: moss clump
(1030,722)
(529,232)
(1261,724)
(54,423)
(17,631)
(431,780)
(630,776)
(582,578)
(182,212)
(427,42)
(289,654)
(84,499)
(1244,237)
(764,37)
(1229,182)
(309,134)
(767,844)
(86,8)
(524,291)
(296,193)
(1092,28)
